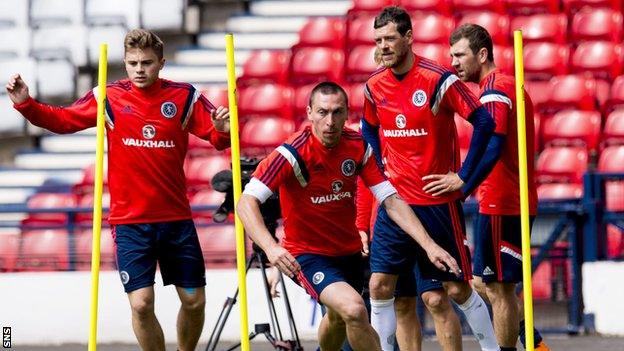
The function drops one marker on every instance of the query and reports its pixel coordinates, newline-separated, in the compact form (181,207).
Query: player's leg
(408,330)
(331,332)
(182,264)
(136,261)
(383,315)
(343,301)
(506,314)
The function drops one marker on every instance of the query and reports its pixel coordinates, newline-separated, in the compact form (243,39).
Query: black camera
(223,182)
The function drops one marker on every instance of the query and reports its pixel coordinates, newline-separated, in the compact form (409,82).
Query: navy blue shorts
(393,251)
(173,245)
(318,271)
(498,248)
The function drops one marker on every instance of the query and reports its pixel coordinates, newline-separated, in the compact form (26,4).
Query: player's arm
(364,210)
(207,121)
(80,115)
(370,126)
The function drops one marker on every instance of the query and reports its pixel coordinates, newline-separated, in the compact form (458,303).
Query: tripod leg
(267,291)
(291,320)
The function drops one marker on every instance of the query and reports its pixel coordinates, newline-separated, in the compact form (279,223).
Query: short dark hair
(328,88)
(144,39)
(395,15)
(478,37)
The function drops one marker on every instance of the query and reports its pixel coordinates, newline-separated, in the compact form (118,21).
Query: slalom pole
(97,199)
(524,193)
(236,177)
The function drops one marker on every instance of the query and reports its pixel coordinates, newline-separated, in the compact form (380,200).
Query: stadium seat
(542,27)
(49,201)
(539,92)
(309,65)
(265,66)
(443,7)
(613,132)
(572,127)
(218,243)
(463,6)
(27,67)
(56,78)
(360,31)
(597,24)
(324,32)
(571,6)
(612,161)
(15,42)
(365,7)
(217,95)
(9,249)
(537,124)
(200,170)
(615,242)
(559,191)
(616,95)
(46,12)
(206,197)
(541,281)
(361,63)
(495,23)
(84,242)
(602,59)
(113,12)
(12,122)
(356,100)
(266,100)
(106,34)
(85,219)
(436,52)
(432,28)
(14,13)
(266,132)
(529,7)
(44,250)
(61,41)
(545,60)
(571,92)
(504,58)
(301,101)
(163,15)
(561,165)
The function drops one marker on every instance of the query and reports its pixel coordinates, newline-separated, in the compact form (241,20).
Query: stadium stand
(543,60)
(9,248)
(613,132)
(529,7)
(497,24)
(266,100)
(44,250)
(542,27)
(433,28)
(571,127)
(600,58)
(266,66)
(360,63)
(597,24)
(84,240)
(561,164)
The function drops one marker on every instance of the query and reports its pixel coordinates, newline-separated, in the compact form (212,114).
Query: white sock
(383,320)
(478,318)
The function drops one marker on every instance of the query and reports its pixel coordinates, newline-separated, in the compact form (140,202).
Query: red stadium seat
(464,132)
(544,60)
(542,27)
(537,123)
(571,92)
(9,249)
(361,63)
(559,191)
(86,201)
(311,65)
(429,6)
(369,6)
(561,165)
(49,201)
(539,92)
(84,242)
(266,132)
(302,100)
(356,100)
(436,52)
(541,281)
(615,242)
(504,58)
(206,197)
(597,24)
(495,23)
(218,244)
(612,161)
(571,127)
(200,170)
(266,100)
(217,95)
(323,31)
(463,6)
(529,7)
(266,66)
(360,31)
(44,250)
(85,185)
(602,59)
(616,95)
(432,28)
(613,132)
(571,6)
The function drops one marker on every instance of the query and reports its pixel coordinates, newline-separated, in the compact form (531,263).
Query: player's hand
(364,238)
(440,184)
(442,259)
(274,278)
(17,89)
(221,118)
(283,260)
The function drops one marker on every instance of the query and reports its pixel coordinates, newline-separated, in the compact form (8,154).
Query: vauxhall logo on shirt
(401,122)
(149,133)
(336,187)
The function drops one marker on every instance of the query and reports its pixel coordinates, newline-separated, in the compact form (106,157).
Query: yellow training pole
(524,192)
(236,176)
(97,199)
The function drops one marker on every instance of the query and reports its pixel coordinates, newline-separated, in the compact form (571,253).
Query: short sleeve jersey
(499,193)
(415,116)
(317,187)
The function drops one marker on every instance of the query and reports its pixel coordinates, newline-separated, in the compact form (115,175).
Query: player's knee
(380,288)
(142,307)
(500,291)
(436,301)
(480,287)
(404,306)
(354,312)
(459,292)
(193,302)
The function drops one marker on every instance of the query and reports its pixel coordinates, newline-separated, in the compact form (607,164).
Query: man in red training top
(148,120)
(315,171)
